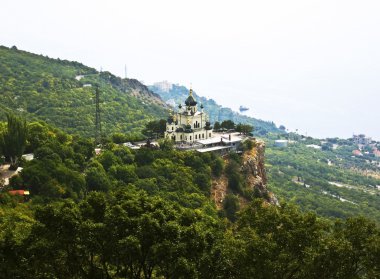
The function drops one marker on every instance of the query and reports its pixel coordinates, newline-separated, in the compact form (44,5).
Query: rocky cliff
(252,171)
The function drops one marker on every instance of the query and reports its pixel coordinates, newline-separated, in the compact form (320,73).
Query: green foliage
(97,180)
(166,144)
(128,234)
(147,214)
(303,175)
(217,126)
(228,125)
(235,179)
(244,128)
(13,140)
(247,145)
(126,174)
(155,128)
(217,167)
(41,88)
(231,206)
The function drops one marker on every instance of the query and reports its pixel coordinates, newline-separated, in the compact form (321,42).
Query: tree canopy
(13,140)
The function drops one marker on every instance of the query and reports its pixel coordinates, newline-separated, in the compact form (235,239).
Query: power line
(98,124)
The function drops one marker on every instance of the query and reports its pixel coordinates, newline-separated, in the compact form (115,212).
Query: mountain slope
(302,174)
(328,181)
(58,92)
(172,92)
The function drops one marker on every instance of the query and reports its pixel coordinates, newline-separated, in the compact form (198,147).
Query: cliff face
(252,170)
(143,93)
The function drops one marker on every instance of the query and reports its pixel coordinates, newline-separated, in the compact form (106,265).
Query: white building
(281,143)
(318,147)
(362,139)
(188,125)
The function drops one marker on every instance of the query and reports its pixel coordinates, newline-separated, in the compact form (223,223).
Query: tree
(166,144)
(231,206)
(13,141)
(155,128)
(217,126)
(97,180)
(217,167)
(228,124)
(244,128)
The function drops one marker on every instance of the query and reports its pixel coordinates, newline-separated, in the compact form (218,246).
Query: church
(188,125)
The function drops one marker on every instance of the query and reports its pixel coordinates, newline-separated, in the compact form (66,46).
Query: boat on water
(242,108)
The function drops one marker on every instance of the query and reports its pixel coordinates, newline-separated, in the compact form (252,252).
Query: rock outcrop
(252,170)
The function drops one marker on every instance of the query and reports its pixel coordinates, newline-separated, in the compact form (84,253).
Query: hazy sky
(309,65)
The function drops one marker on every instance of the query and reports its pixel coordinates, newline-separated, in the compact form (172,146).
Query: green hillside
(330,181)
(56,92)
(53,90)
(303,174)
(216,112)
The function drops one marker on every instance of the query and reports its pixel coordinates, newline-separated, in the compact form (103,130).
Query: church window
(195,136)
(190,137)
(203,136)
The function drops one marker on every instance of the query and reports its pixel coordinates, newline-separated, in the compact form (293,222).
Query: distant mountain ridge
(175,93)
(59,92)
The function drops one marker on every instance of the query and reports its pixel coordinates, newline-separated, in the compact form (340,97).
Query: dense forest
(330,182)
(306,176)
(147,213)
(62,93)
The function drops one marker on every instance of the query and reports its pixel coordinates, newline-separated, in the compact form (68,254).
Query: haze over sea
(309,65)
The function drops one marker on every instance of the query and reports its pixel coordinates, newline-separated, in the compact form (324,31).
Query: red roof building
(19,192)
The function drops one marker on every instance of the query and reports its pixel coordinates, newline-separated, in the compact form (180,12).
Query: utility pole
(98,124)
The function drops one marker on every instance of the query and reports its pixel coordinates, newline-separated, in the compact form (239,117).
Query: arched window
(203,136)
(209,135)
(172,128)
(195,136)
(190,137)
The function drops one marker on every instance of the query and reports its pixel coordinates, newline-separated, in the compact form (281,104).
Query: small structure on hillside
(317,147)
(221,143)
(281,143)
(361,139)
(190,129)
(188,125)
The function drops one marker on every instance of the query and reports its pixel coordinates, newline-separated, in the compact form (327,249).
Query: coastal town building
(361,139)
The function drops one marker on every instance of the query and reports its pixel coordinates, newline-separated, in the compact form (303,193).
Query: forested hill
(58,92)
(177,94)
